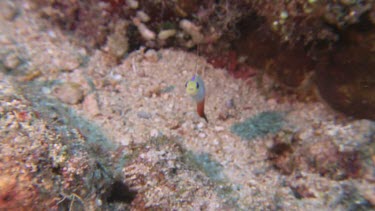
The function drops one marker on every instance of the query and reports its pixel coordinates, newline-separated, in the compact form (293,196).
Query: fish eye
(197,85)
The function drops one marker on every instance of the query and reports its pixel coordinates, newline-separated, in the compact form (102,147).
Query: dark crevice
(120,192)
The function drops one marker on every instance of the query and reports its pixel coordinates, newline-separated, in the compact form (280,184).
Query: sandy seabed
(143,98)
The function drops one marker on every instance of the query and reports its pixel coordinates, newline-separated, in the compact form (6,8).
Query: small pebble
(200,125)
(143,16)
(116,77)
(9,10)
(165,34)
(223,115)
(215,142)
(31,75)
(117,45)
(166,97)
(173,125)
(99,202)
(284,15)
(68,65)
(193,30)
(46,90)
(144,115)
(146,33)
(272,102)
(11,61)
(219,128)
(69,93)
(151,55)
(5,40)
(230,103)
(154,133)
(90,105)
(132,4)
(369,194)
(51,34)
(125,141)
(202,135)
(303,134)
(347,2)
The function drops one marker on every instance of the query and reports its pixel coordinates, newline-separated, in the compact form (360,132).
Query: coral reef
(288,40)
(45,163)
(101,129)
(290,154)
(346,78)
(296,21)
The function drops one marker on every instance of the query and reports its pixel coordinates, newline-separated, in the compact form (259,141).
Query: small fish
(195,88)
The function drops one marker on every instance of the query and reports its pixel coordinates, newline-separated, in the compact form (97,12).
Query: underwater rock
(146,33)
(151,56)
(132,4)
(325,158)
(69,93)
(342,70)
(284,38)
(16,191)
(47,164)
(288,65)
(143,16)
(349,198)
(90,105)
(346,80)
(322,157)
(280,154)
(117,43)
(11,61)
(163,173)
(9,10)
(302,191)
(230,103)
(144,115)
(165,34)
(193,30)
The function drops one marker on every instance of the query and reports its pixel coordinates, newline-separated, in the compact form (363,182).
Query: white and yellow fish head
(195,88)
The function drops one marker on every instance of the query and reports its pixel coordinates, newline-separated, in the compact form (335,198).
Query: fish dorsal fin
(198,71)
(196,67)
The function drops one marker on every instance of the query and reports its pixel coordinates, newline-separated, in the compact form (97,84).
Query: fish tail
(200,110)
(205,118)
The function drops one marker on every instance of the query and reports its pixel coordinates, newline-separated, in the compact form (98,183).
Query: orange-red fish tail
(200,110)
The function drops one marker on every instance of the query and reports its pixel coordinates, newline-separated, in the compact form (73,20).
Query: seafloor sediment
(79,131)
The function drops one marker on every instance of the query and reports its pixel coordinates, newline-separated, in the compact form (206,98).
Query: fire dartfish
(195,88)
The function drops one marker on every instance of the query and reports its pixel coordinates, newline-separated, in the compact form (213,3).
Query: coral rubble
(289,40)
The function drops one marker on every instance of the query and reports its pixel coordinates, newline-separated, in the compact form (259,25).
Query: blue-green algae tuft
(259,125)
(207,165)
